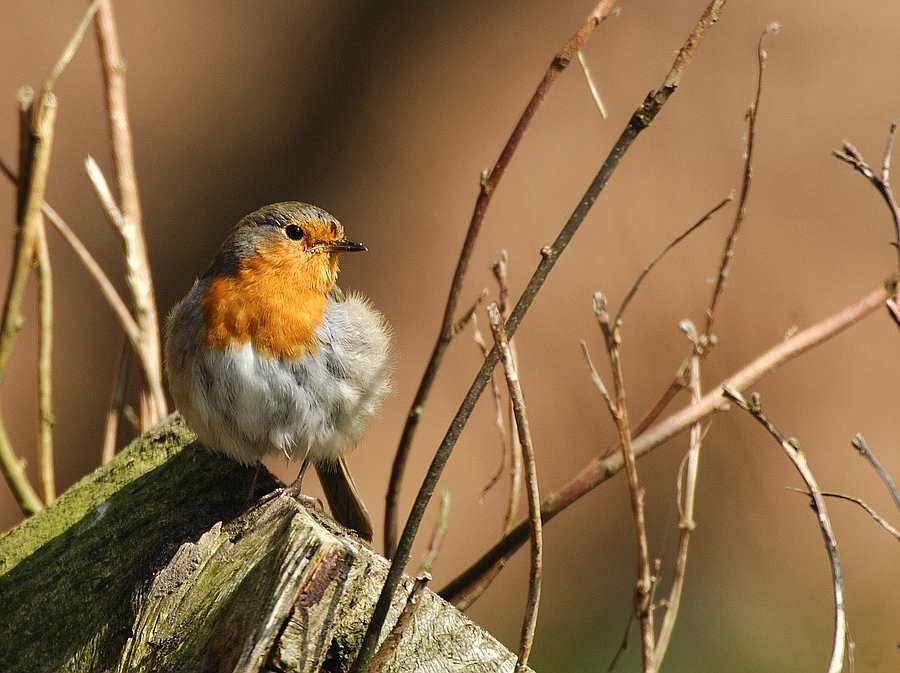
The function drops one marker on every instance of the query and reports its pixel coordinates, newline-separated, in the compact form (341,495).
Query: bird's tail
(343,498)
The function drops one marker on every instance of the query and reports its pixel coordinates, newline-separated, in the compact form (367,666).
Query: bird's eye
(293,232)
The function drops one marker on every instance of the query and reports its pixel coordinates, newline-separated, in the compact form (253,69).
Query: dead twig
(609,462)
(640,120)
(489,182)
(441,524)
(752,116)
(529,622)
(850,155)
(862,448)
(117,404)
(619,410)
(403,621)
(792,450)
(678,239)
(138,276)
(880,520)
(680,379)
(36,133)
(687,489)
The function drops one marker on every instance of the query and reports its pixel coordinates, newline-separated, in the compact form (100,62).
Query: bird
(266,355)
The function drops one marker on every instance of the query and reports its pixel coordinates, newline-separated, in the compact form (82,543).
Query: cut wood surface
(158,562)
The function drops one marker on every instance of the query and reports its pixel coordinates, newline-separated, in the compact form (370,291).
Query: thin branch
(595,376)
(880,520)
(69,52)
(107,289)
(143,344)
(687,490)
(752,115)
(497,398)
(37,132)
(640,279)
(850,155)
(139,277)
(644,583)
(509,443)
(640,120)
(798,458)
(470,314)
(45,363)
(860,445)
(595,92)
(403,621)
(117,403)
(529,623)
(441,524)
(489,182)
(609,463)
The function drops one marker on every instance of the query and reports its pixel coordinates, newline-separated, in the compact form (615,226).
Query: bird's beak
(342,245)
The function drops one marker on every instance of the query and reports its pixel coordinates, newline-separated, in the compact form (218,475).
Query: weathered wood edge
(156,562)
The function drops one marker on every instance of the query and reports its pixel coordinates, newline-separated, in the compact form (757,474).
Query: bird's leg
(294,490)
(295,487)
(253,481)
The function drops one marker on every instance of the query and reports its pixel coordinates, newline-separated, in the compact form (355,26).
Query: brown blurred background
(385,114)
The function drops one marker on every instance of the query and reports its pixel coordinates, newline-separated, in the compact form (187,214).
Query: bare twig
(441,524)
(640,279)
(640,120)
(107,289)
(489,182)
(849,154)
(595,376)
(798,458)
(860,445)
(140,280)
(609,463)
(595,92)
(117,403)
(69,52)
(529,622)
(45,363)
(509,443)
(498,413)
(37,135)
(880,520)
(36,140)
(752,115)
(619,411)
(687,489)
(403,621)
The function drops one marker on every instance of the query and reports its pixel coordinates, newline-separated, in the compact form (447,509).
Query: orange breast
(274,301)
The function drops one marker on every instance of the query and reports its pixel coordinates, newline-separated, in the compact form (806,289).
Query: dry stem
(741,215)
(489,183)
(862,447)
(644,584)
(403,621)
(140,281)
(441,524)
(849,154)
(609,463)
(529,623)
(640,120)
(686,495)
(798,458)
(36,132)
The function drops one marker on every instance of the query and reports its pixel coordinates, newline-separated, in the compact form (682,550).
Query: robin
(265,354)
